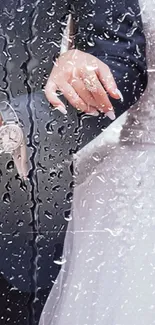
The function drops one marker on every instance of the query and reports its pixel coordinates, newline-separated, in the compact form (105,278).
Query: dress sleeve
(112,30)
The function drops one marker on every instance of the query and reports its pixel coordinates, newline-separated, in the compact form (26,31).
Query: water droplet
(36,139)
(72,185)
(23,20)
(6,198)
(8,187)
(60,174)
(48,215)
(49,128)
(20,9)
(114,232)
(49,199)
(90,26)
(16,233)
(67,215)
(41,167)
(91,13)
(96,156)
(90,40)
(60,261)
(62,131)
(39,238)
(10,25)
(128,13)
(109,20)
(53,174)
(132,30)
(106,35)
(56,188)
(20,223)
(51,11)
(69,197)
(10,166)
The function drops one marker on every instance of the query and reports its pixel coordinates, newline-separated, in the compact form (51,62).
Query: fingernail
(96,113)
(111,115)
(118,92)
(61,109)
(24,178)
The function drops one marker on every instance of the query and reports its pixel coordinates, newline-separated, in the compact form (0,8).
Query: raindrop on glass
(48,215)
(6,198)
(60,261)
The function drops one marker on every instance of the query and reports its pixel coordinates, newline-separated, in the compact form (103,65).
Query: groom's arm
(113,31)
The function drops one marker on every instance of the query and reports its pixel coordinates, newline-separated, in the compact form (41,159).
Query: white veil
(108,271)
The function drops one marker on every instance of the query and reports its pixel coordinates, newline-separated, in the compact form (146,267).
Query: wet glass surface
(32,226)
(112,185)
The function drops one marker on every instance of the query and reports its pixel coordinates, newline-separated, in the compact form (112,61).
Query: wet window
(77,162)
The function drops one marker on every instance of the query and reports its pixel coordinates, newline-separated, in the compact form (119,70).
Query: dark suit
(32,216)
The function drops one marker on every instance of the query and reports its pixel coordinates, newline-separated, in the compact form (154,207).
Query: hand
(84,81)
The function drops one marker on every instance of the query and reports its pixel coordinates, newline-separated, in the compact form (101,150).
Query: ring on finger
(91,83)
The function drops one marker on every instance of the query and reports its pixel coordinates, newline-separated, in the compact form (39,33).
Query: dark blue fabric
(112,30)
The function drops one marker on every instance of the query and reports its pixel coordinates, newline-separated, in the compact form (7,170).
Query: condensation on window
(77,191)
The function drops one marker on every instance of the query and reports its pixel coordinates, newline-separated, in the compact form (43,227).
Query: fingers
(70,94)
(99,94)
(107,80)
(82,91)
(98,99)
(74,99)
(88,91)
(50,92)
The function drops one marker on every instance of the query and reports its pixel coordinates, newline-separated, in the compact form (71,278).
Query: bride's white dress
(108,271)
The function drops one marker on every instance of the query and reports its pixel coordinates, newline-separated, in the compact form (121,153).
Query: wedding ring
(91,83)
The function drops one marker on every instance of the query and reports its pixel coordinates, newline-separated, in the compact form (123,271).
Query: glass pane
(77,162)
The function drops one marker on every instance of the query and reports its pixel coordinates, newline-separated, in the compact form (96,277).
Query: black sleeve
(112,30)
